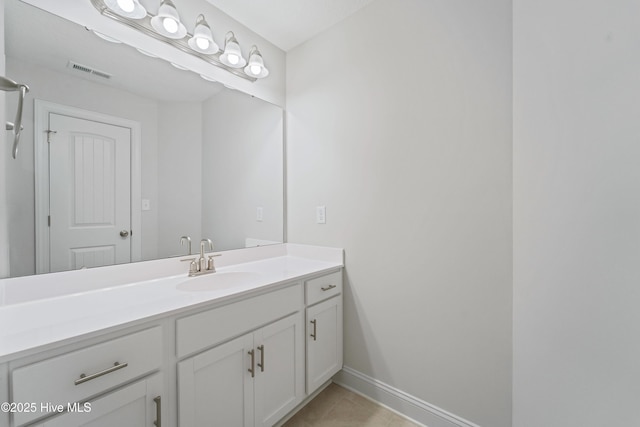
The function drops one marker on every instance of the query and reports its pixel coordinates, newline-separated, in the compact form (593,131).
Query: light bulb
(256,69)
(202,43)
(170,25)
(233,59)
(126,5)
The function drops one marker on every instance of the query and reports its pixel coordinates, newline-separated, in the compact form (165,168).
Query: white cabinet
(244,361)
(214,385)
(4,393)
(279,376)
(82,374)
(203,330)
(324,342)
(135,405)
(323,287)
(253,380)
(324,329)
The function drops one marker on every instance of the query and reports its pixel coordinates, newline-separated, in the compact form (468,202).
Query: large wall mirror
(203,161)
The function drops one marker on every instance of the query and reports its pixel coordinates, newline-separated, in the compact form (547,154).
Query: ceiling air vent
(88,70)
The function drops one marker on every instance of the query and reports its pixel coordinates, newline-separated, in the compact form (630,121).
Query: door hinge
(49,132)
(49,220)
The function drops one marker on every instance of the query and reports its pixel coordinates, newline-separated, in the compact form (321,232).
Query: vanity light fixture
(256,67)
(167,21)
(202,40)
(167,28)
(232,55)
(127,8)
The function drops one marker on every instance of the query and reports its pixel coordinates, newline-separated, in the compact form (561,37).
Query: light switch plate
(259,213)
(146,204)
(321,215)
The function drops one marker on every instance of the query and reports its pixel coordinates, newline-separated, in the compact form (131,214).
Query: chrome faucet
(202,265)
(188,240)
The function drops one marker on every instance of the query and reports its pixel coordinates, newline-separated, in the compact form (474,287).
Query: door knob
(124,233)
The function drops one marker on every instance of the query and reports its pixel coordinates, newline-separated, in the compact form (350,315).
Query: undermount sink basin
(216,281)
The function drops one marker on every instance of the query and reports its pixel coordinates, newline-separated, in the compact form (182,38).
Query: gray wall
(179,202)
(413,163)
(242,168)
(576,213)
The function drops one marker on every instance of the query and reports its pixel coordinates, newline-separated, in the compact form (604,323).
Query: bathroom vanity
(243,346)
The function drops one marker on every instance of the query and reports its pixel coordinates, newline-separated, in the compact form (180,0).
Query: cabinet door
(4,393)
(215,388)
(324,342)
(279,380)
(131,406)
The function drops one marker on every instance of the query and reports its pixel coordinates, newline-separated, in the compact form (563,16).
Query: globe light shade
(127,8)
(167,21)
(256,67)
(232,55)
(202,40)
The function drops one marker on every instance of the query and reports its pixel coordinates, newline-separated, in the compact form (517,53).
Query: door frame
(42,109)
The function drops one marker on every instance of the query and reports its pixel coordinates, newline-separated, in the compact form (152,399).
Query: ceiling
(288,23)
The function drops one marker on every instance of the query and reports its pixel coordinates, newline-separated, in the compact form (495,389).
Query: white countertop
(29,324)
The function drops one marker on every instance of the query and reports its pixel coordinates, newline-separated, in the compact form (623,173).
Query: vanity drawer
(206,329)
(78,375)
(324,287)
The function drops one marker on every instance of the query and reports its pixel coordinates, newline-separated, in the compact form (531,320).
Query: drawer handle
(261,364)
(252,369)
(313,335)
(158,421)
(84,378)
(327,288)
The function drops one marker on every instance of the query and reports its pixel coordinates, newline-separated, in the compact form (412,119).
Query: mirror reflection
(141,153)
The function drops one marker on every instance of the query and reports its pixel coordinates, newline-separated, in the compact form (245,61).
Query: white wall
(413,163)
(576,213)
(179,176)
(242,169)
(55,87)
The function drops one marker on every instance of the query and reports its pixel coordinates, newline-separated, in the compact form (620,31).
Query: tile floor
(338,407)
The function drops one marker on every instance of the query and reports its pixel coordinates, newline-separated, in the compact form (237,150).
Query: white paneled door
(90,193)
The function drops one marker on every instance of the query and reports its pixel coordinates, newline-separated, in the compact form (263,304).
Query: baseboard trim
(398,401)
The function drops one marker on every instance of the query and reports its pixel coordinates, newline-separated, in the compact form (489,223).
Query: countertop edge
(156,317)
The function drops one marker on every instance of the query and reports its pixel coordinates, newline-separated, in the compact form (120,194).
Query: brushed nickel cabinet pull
(261,364)
(84,378)
(326,288)
(158,421)
(313,335)
(253,363)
